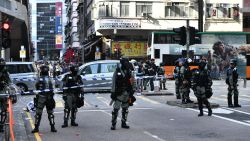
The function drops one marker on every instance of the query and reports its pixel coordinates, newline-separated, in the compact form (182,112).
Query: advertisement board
(130,49)
(58,26)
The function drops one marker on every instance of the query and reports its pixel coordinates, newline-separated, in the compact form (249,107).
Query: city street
(150,119)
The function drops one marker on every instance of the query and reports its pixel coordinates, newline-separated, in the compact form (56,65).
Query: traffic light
(193,38)
(181,31)
(6,42)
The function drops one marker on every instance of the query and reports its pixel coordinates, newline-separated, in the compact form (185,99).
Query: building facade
(15,12)
(47,29)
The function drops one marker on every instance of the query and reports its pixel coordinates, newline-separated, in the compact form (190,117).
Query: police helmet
(233,61)
(44,70)
(124,62)
(73,69)
(2,64)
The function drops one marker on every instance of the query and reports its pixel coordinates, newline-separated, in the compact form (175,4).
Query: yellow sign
(22,53)
(59,39)
(97,55)
(131,49)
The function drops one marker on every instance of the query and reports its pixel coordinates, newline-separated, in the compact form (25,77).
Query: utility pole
(188,37)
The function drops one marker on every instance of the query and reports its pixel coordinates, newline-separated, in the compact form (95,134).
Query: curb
(157,93)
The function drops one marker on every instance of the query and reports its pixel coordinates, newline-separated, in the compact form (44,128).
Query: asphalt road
(150,119)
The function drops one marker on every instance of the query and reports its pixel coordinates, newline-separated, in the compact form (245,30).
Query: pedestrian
(72,97)
(146,66)
(44,98)
(201,83)
(177,78)
(122,92)
(231,81)
(4,80)
(139,75)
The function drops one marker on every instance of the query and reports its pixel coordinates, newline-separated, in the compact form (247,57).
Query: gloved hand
(113,96)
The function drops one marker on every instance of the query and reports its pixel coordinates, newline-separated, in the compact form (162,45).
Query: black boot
(73,117)
(229,101)
(201,113)
(236,102)
(124,118)
(37,123)
(52,122)
(200,105)
(1,128)
(66,118)
(209,112)
(114,119)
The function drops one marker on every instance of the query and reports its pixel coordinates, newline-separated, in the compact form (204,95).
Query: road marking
(228,119)
(104,100)
(221,111)
(59,104)
(245,96)
(148,100)
(37,136)
(101,110)
(153,136)
(237,111)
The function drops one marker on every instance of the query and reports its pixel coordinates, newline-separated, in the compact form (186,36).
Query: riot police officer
(122,92)
(185,77)
(177,78)
(4,80)
(72,96)
(161,74)
(231,80)
(201,84)
(44,98)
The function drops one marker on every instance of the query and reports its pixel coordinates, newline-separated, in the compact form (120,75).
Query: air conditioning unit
(191,4)
(169,4)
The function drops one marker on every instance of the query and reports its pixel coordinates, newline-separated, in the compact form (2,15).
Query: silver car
(96,75)
(23,74)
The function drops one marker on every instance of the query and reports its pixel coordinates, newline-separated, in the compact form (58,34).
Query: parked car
(96,75)
(23,74)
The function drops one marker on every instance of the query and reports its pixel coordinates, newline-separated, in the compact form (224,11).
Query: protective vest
(122,80)
(43,83)
(201,78)
(71,80)
(232,76)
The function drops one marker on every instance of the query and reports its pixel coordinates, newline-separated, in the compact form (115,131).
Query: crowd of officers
(123,88)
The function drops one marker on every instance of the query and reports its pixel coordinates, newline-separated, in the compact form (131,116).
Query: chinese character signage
(131,49)
(58,26)
(119,23)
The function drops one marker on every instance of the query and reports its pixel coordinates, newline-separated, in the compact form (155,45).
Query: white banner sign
(119,23)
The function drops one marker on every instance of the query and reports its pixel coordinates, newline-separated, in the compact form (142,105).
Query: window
(220,10)
(143,8)
(105,10)
(91,69)
(157,53)
(107,68)
(165,38)
(180,10)
(124,9)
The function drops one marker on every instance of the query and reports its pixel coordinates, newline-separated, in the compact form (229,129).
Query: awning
(90,44)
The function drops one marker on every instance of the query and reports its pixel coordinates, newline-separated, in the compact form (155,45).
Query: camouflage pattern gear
(4,81)
(71,97)
(177,82)
(201,83)
(121,94)
(185,84)
(232,80)
(44,99)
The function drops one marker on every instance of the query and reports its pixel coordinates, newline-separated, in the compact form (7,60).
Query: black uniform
(231,80)
(4,80)
(72,97)
(44,98)
(177,80)
(201,84)
(122,93)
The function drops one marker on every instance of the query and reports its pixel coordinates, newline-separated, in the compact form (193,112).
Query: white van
(23,74)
